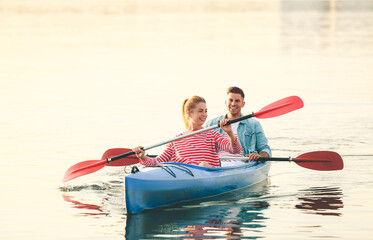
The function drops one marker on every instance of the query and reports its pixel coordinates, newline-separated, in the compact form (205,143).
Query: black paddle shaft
(238,119)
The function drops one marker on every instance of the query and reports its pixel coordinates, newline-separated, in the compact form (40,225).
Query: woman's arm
(224,144)
(148,161)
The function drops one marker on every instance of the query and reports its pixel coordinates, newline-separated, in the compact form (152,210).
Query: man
(249,131)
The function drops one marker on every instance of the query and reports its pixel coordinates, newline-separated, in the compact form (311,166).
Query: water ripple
(321,201)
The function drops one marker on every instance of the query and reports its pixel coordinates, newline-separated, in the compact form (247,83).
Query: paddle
(320,160)
(275,109)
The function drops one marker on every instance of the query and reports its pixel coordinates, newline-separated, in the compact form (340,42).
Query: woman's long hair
(189,105)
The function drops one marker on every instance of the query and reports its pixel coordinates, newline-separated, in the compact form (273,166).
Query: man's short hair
(236,90)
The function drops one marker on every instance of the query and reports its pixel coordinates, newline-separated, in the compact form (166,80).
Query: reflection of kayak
(208,220)
(172,183)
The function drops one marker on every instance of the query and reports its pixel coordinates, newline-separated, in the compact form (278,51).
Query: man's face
(234,102)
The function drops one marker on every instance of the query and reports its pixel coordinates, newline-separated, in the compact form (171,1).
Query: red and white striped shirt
(195,149)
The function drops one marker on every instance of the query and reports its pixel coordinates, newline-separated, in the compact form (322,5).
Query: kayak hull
(173,183)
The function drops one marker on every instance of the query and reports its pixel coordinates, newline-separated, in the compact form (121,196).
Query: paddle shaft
(178,138)
(274,159)
(319,160)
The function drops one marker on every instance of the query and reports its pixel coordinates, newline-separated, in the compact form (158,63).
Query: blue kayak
(171,183)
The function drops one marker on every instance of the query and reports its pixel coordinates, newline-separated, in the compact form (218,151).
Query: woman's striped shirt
(196,149)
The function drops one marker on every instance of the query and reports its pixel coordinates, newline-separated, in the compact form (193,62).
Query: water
(80,77)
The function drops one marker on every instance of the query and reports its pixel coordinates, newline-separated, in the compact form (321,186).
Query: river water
(78,77)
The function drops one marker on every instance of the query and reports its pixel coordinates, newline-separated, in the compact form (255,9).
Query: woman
(199,149)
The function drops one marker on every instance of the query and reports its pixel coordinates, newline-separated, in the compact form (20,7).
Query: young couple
(242,138)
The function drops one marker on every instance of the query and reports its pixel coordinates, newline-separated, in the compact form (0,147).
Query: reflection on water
(94,209)
(235,215)
(225,216)
(101,198)
(321,200)
(232,215)
(214,221)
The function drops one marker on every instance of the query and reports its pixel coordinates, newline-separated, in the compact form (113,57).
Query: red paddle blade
(129,160)
(83,168)
(90,166)
(321,160)
(280,107)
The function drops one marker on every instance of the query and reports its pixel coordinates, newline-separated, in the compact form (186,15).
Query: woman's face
(198,115)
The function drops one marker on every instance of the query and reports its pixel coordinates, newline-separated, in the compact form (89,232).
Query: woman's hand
(225,127)
(204,164)
(228,129)
(140,153)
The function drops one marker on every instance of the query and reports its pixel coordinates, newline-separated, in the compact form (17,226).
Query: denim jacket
(250,134)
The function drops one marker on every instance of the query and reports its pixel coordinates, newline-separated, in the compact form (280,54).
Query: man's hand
(256,156)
